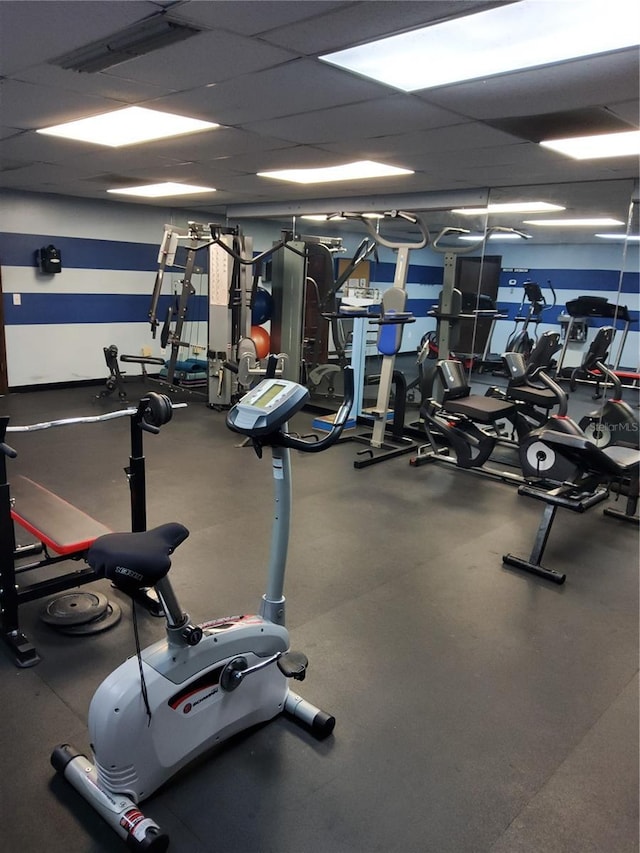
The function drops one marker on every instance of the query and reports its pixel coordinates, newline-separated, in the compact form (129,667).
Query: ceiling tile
(570,85)
(357,121)
(206,58)
(27,106)
(102,84)
(297,87)
(251,17)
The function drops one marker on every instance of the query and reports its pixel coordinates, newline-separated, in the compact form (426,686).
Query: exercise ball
(262,340)
(262,308)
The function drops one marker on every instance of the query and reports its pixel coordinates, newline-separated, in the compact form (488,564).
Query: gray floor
(478,710)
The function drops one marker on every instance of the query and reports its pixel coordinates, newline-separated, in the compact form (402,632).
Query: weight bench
(53,521)
(63,532)
(115,380)
(59,527)
(597,468)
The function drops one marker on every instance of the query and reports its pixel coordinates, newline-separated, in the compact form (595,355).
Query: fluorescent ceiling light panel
(620,237)
(323,217)
(345,172)
(128,126)
(570,223)
(508,38)
(602,145)
(498,236)
(509,207)
(160,190)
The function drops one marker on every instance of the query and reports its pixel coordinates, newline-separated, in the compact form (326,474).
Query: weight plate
(159,409)
(108,619)
(74,608)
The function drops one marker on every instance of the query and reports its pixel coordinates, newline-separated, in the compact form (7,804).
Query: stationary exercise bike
(202,683)
(471,425)
(614,422)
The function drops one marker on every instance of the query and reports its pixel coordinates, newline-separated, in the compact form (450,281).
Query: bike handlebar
(297,443)
(412,218)
(463,250)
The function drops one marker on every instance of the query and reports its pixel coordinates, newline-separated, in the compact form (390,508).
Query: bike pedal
(293,665)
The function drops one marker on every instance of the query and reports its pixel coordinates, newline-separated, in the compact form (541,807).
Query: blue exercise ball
(262,308)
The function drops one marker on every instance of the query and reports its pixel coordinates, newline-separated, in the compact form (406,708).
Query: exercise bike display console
(267,406)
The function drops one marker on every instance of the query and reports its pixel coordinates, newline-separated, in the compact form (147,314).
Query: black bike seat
(136,559)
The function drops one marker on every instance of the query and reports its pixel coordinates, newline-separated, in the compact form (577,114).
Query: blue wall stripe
(73,308)
(19,250)
(582,280)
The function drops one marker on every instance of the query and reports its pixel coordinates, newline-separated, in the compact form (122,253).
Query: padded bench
(53,521)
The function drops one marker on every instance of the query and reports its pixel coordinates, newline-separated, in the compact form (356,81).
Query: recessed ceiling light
(634,238)
(128,126)
(509,207)
(495,41)
(345,172)
(570,223)
(160,190)
(623,144)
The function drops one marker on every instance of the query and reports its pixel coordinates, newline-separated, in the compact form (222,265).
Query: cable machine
(232,358)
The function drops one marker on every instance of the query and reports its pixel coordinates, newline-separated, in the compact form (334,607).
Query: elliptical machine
(614,422)
(202,683)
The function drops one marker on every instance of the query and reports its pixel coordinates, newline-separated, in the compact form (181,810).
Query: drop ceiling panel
(33,32)
(628,111)
(41,177)
(102,84)
(461,137)
(245,188)
(357,121)
(571,85)
(297,87)
(206,58)
(27,106)
(205,146)
(297,157)
(251,17)
(503,175)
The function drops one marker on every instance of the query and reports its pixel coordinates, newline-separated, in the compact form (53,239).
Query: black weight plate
(108,619)
(158,410)
(74,608)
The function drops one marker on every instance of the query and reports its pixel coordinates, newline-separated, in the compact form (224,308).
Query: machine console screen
(271,392)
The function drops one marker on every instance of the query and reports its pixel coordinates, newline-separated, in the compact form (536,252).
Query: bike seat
(136,559)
